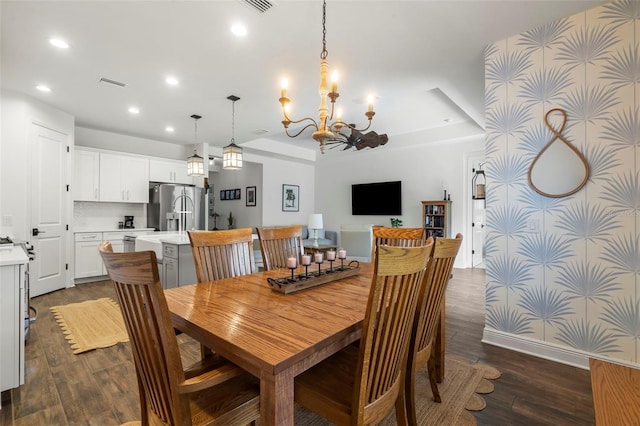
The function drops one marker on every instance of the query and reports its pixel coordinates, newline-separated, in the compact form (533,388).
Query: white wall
(277,172)
(124,143)
(425,171)
(17,114)
(249,175)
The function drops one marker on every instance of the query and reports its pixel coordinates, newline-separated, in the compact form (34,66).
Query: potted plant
(230,219)
(395,222)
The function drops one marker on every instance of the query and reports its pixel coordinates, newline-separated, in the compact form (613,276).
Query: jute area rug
(91,325)
(459,392)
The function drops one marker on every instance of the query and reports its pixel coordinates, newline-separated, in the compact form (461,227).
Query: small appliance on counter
(128,222)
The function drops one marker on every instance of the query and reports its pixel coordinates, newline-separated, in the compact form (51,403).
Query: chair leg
(401,413)
(410,396)
(431,367)
(205,352)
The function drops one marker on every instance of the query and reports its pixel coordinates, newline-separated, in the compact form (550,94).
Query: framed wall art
(230,194)
(250,197)
(290,198)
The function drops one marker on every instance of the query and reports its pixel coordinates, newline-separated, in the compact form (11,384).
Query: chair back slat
(278,244)
(398,276)
(437,277)
(148,322)
(222,254)
(399,237)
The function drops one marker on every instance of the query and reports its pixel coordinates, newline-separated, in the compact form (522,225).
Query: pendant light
(478,184)
(232,153)
(195,163)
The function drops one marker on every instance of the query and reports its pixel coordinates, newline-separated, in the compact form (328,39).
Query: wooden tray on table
(299,282)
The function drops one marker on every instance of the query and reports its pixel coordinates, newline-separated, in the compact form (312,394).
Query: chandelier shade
(324,128)
(232,153)
(195,163)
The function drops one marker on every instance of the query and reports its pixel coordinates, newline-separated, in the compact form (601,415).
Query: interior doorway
(475,177)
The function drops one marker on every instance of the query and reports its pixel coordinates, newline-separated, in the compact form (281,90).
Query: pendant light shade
(232,153)
(195,163)
(232,157)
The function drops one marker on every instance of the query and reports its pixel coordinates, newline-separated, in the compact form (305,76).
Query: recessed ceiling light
(59,43)
(448,120)
(171,81)
(169,129)
(239,29)
(134,110)
(43,88)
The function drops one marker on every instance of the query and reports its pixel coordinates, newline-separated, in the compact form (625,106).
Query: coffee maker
(128,222)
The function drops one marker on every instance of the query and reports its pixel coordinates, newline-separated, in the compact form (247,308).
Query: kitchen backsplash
(92,216)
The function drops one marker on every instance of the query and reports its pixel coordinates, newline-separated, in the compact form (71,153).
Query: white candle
(342,254)
(318,257)
(306,259)
(331,255)
(291,262)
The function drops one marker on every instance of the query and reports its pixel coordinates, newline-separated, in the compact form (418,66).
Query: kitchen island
(174,256)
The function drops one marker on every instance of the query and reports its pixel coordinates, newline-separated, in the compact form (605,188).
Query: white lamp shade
(315,221)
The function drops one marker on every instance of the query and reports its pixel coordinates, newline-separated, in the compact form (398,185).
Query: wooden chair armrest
(210,378)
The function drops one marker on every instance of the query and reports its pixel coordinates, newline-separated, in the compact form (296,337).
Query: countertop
(78,230)
(13,256)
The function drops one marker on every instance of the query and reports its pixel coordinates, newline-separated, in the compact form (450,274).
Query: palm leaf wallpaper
(566,271)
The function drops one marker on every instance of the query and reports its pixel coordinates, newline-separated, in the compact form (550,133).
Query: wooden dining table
(272,335)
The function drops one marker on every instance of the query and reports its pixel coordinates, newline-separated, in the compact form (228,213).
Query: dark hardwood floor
(99,387)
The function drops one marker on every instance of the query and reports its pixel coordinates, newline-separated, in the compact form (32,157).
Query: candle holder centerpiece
(322,276)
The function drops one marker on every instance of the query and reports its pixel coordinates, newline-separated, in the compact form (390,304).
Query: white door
(49,215)
(478,233)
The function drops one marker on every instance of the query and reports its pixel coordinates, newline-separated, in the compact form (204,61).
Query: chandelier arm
(303,129)
(290,121)
(352,127)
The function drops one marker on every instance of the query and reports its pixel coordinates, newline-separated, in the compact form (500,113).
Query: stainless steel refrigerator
(175,207)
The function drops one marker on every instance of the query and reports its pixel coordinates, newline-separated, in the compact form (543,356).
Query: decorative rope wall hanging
(558,173)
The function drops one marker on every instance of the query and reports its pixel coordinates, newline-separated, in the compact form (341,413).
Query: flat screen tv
(379,198)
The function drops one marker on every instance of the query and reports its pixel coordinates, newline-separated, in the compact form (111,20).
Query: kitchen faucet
(183,213)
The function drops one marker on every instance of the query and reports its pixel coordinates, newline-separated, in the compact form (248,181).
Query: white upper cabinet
(124,178)
(169,171)
(86,182)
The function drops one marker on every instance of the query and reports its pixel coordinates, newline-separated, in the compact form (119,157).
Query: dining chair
(213,391)
(361,384)
(278,244)
(427,319)
(222,254)
(400,237)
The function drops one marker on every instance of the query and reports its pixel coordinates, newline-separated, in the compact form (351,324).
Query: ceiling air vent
(109,81)
(260,5)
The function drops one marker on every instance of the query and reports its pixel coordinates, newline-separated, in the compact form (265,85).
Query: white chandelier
(323,128)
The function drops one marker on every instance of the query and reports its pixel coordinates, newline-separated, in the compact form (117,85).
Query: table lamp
(315,223)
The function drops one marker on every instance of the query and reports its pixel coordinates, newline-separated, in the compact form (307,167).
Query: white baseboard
(546,350)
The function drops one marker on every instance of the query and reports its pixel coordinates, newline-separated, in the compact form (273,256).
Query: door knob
(35,232)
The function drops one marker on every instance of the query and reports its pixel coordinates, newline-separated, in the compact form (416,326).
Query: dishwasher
(129,242)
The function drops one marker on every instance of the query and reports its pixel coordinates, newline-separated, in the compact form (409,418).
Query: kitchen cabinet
(178,267)
(124,178)
(88,262)
(169,171)
(86,182)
